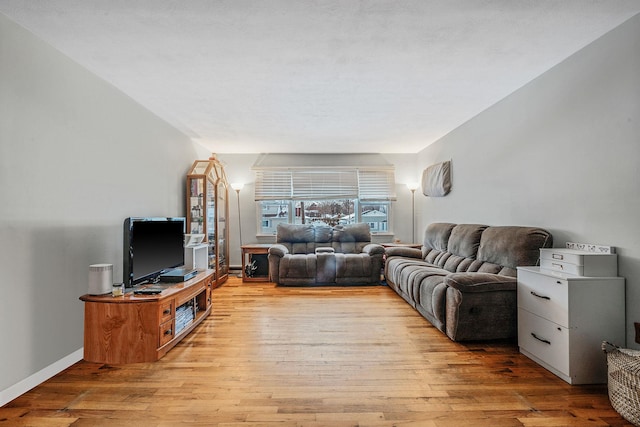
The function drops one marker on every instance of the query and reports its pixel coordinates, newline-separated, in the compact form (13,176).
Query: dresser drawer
(166,332)
(562,266)
(545,340)
(166,311)
(545,296)
(580,263)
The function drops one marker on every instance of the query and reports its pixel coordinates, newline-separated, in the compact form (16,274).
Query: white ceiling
(318,76)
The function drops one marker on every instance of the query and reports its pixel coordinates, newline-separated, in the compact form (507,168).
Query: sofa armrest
(404,252)
(373,249)
(278,250)
(276,253)
(480,282)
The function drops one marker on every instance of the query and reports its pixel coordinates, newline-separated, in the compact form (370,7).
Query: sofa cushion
(352,233)
(295,233)
(465,240)
(435,241)
(437,235)
(511,246)
(460,244)
(325,267)
(298,269)
(297,238)
(457,263)
(355,268)
(435,256)
(323,233)
(431,298)
(351,238)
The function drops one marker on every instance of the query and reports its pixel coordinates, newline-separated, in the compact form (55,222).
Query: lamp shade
(412,186)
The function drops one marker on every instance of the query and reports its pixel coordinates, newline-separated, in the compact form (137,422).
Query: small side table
(255,254)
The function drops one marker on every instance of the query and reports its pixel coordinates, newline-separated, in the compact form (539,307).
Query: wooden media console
(143,328)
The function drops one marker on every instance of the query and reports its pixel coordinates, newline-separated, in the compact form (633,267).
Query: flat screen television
(152,245)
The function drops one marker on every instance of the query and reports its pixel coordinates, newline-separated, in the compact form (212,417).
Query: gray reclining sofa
(317,254)
(463,280)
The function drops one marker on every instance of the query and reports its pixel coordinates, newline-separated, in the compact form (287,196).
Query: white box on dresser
(563,319)
(580,263)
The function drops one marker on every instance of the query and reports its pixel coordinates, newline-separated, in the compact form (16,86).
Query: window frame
(374,185)
(290,217)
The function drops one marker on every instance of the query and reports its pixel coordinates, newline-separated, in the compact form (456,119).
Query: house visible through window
(330,196)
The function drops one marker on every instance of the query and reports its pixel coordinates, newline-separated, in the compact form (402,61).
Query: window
(331,196)
(273,212)
(377,215)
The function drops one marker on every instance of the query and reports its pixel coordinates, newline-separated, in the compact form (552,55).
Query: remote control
(147,291)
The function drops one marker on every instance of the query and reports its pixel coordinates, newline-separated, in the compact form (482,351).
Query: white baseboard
(7,395)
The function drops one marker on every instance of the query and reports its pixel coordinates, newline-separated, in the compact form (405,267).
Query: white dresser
(563,319)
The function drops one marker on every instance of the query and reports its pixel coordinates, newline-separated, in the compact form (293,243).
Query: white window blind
(325,183)
(376,185)
(273,185)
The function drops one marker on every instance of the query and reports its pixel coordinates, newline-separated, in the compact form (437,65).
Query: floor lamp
(413,186)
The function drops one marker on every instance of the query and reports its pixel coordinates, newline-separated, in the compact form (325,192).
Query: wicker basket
(624,381)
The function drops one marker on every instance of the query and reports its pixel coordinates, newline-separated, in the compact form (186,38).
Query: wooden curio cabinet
(208,210)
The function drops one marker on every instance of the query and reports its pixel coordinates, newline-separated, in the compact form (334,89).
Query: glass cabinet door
(223,212)
(207,212)
(195,206)
(210,218)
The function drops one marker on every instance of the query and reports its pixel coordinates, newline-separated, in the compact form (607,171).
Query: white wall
(562,153)
(76,158)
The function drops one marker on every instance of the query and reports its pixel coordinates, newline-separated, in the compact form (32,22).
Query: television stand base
(142,328)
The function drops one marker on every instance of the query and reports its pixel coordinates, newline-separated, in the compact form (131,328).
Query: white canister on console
(100,279)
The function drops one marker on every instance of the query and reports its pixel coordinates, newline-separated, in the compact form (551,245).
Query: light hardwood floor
(356,356)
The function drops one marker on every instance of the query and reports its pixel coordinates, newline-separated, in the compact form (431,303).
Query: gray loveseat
(463,280)
(322,255)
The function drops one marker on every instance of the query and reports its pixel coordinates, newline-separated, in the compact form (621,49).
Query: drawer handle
(167,311)
(540,339)
(557,256)
(168,332)
(558,266)
(540,296)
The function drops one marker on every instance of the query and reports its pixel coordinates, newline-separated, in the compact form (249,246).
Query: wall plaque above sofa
(436,179)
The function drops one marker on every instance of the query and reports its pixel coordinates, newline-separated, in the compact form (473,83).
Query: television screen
(152,246)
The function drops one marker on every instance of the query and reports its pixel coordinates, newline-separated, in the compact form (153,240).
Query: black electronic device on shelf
(152,246)
(178,275)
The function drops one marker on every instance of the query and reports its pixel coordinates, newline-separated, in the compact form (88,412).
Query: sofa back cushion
(436,242)
(323,234)
(480,248)
(462,246)
(505,248)
(436,236)
(452,247)
(297,238)
(465,240)
(351,238)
